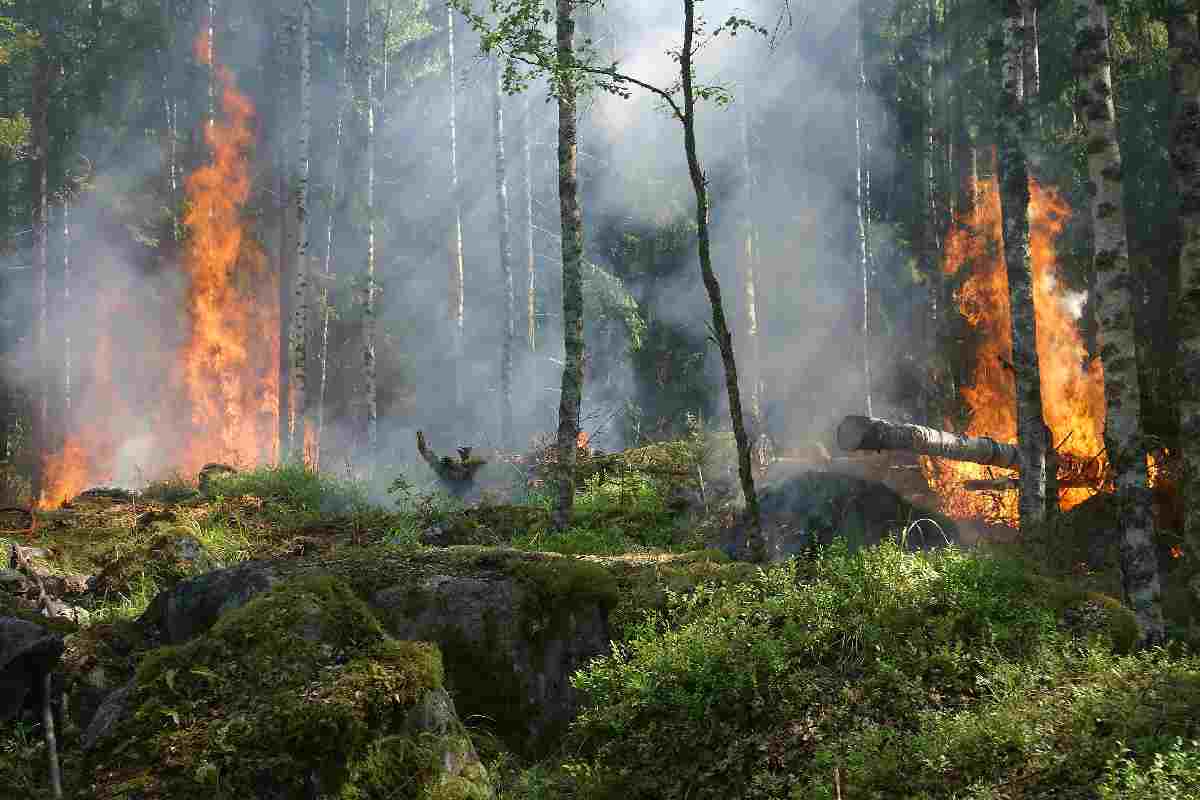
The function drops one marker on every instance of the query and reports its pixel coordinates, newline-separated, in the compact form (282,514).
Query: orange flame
(221,391)
(229,364)
(1072,384)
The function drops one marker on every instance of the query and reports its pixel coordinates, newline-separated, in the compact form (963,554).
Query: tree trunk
(66,295)
(39,178)
(753,359)
(298,334)
(1012,131)
(1122,436)
(1031,68)
(864,269)
(572,257)
(1184,48)
(285,251)
(457,276)
(757,545)
(368,327)
(509,336)
(171,116)
(531,264)
(343,102)
(931,244)
(869,433)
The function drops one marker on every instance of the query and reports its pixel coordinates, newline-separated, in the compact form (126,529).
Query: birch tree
(368,300)
(1012,132)
(39,180)
(457,276)
(1114,279)
(1184,54)
(298,333)
(326,308)
(504,224)
(531,263)
(860,85)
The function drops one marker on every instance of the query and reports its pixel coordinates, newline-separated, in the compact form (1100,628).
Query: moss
(490,525)
(1089,612)
(302,678)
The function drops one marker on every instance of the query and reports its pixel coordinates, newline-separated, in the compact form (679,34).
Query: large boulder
(512,636)
(299,693)
(27,653)
(513,625)
(814,508)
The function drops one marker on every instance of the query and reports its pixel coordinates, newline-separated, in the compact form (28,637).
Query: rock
(16,582)
(112,710)
(298,694)
(209,472)
(27,653)
(510,645)
(435,536)
(193,606)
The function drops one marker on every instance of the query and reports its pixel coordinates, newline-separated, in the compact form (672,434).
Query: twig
(51,742)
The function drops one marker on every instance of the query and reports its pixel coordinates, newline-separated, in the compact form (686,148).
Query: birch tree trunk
(369,387)
(1184,50)
(298,333)
(285,250)
(509,335)
(757,545)
(1031,67)
(343,102)
(66,294)
(1113,275)
(531,264)
(749,281)
(572,257)
(39,179)
(457,276)
(860,85)
(930,244)
(1012,130)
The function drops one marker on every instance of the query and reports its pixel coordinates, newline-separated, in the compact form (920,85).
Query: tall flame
(220,391)
(1072,384)
(229,364)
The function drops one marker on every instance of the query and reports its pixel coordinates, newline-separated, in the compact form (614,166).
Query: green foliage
(296,487)
(1170,774)
(171,490)
(864,661)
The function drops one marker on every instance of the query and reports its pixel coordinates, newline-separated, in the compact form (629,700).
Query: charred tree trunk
(1012,132)
(1030,60)
(869,433)
(369,323)
(1184,51)
(298,333)
(1122,435)
(572,257)
(757,545)
(509,334)
(343,102)
(457,275)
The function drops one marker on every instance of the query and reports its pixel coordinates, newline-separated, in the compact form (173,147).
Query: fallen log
(871,433)
(1005,484)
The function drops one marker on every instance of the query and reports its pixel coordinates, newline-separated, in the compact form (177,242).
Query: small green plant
(1173,774)
(173,489)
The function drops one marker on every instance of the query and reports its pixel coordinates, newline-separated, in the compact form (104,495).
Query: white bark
(298,333)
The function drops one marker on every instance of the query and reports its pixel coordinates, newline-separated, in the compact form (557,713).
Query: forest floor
(868,670)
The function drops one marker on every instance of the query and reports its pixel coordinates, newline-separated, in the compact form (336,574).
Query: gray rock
(27,652)
(507,658)
(193,606)
(114,709)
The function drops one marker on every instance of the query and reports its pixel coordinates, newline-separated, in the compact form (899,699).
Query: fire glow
(1072,383)
(220,390)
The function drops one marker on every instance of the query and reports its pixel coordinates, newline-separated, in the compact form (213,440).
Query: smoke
(129,288)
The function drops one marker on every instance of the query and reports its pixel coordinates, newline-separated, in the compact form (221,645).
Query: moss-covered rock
(300,692)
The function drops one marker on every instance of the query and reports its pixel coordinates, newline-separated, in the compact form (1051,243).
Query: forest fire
(219,395)
(1072,384)
(230,362)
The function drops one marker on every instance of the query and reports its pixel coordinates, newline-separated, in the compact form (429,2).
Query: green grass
(296,487)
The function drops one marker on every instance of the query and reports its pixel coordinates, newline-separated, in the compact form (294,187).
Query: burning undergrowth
(183,369)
